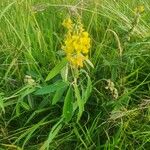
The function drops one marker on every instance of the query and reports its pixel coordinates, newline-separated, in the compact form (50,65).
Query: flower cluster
(76,43)
(139,9)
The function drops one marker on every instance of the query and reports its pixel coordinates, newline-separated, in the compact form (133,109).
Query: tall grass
(30,48)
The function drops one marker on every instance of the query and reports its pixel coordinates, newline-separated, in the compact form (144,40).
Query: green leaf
(88,90)
(27,134)
(35,113)
(58,95)
(54,131)
(68,105)
(56,70)
(89,63)
(80,101)
(51,88)
(2,102)
(25,105)
(64,73)
(23,94)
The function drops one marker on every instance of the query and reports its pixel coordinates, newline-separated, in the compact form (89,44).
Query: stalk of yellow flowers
(76,43)
(76,47)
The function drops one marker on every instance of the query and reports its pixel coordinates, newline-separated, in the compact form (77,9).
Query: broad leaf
(58,95)
(68,105)
(51,88)
(56,70)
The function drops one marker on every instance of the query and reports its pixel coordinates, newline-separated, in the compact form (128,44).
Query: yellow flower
(139,9)
(76,43)
(67,23)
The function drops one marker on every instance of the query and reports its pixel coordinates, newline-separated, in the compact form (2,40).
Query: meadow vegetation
(74,75)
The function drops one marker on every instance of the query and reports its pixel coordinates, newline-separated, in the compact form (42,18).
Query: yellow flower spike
(76,43)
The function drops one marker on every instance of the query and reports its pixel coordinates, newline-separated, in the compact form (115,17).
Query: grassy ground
(31,36)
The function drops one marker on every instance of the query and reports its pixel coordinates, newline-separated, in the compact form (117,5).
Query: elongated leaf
(90,63)
(51,88)
(54,131)
(64,73)
(68,105)
(88,90)
(25,105)
(58,95)
(56,70)
(80,101)
(36,112)
(2,102)
(24,93)
(27,134)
